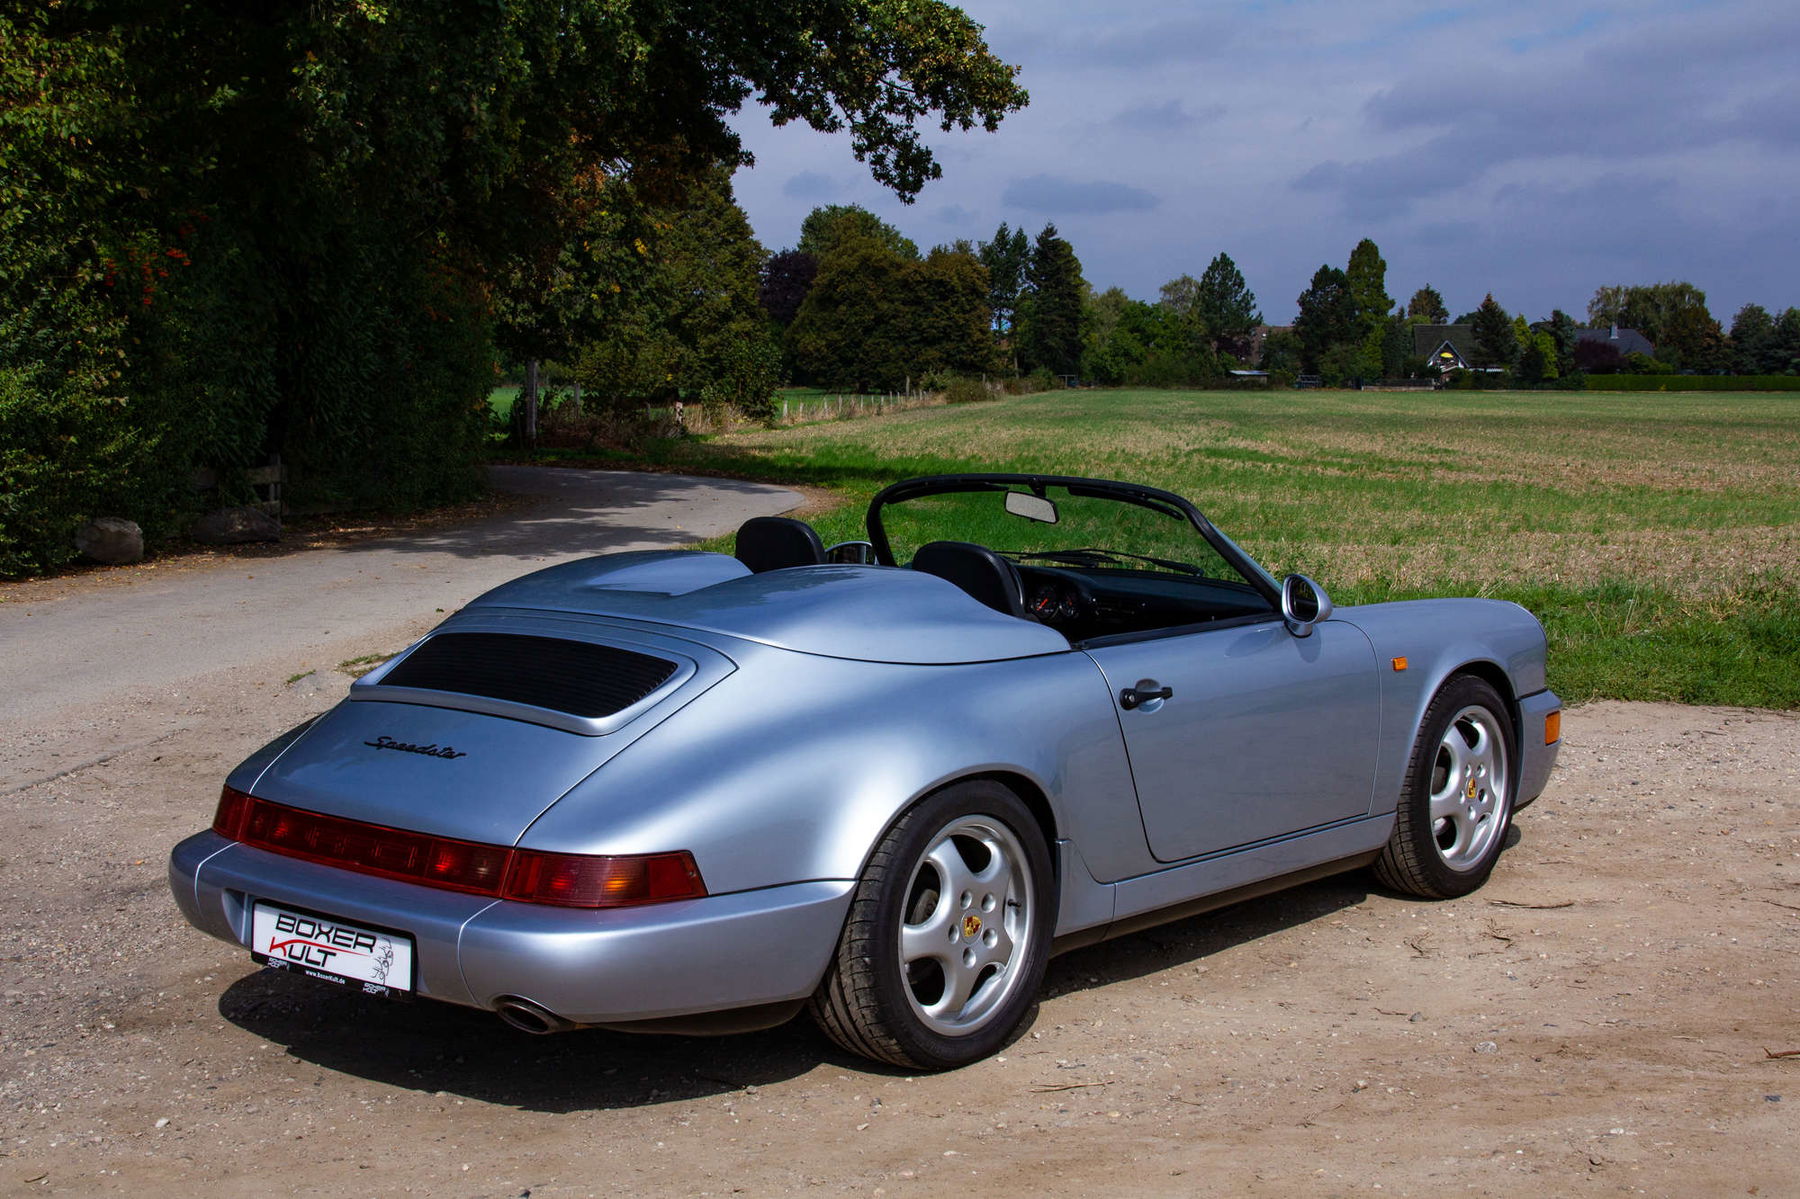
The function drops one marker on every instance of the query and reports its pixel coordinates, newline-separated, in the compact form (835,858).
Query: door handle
(1133,697)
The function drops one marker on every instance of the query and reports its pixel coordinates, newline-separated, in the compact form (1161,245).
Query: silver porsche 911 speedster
(680,791)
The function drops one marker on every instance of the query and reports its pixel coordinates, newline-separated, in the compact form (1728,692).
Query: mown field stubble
(1656,535)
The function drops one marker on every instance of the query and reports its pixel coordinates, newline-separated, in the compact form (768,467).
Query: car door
(1264,734)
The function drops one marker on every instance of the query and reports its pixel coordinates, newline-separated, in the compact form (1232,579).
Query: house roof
(1428,338)
(1626,341)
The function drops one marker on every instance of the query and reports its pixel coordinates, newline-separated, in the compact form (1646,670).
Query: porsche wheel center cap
(971,927)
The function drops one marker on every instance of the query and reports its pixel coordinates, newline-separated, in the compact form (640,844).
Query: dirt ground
(1599,1020)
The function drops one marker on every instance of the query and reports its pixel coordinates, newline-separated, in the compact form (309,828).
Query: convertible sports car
(679,791)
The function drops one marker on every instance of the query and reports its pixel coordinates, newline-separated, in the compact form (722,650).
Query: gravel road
(1598,1020)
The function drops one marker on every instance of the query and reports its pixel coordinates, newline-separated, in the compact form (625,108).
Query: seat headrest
(978,570)
(775,542)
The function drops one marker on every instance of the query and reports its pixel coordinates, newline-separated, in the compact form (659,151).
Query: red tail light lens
(524,875)
(234,810)
(583,881)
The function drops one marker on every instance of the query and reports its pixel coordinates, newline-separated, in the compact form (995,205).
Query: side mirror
(851,553)
(1303,605)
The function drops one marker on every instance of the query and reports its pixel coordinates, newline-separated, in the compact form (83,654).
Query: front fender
(1439,638)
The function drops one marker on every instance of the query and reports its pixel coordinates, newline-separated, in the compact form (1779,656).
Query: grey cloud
(1057,196)
(809,185)
(1172,116)
(1124,43)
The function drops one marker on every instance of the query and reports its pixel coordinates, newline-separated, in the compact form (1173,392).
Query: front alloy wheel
(1457,800)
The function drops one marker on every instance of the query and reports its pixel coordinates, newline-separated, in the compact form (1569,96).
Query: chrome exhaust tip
(530,1017)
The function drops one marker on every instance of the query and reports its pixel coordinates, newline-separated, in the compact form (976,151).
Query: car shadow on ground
(433,1047)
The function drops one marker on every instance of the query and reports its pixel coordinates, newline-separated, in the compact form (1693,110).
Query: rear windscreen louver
(576,677)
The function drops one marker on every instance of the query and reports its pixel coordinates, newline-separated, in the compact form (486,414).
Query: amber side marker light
(1399,663)
(1553,727)
(566,880)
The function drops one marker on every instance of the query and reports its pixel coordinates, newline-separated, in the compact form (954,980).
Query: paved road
(145,636)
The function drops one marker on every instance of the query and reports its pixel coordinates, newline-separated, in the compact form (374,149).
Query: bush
(960,389)
(68,457)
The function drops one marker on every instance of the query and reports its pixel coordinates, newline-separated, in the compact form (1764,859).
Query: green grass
(1657,535)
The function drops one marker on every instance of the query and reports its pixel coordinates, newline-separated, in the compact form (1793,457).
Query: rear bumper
(1535,757)
(589,967)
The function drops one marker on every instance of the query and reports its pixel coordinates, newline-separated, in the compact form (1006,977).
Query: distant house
(1258,336)
(1626,341)
(1447,347)
(1452,347)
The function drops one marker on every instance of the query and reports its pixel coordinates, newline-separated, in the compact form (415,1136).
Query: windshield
(1054,525)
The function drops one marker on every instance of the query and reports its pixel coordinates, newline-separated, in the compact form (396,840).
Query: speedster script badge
(434,750)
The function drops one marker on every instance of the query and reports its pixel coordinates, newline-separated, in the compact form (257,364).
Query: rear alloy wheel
(949,929)
(1457,800)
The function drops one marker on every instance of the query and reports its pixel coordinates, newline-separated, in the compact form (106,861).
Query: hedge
(1693,383)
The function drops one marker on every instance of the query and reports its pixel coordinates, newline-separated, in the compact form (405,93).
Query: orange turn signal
(1553,727)
(1399,663)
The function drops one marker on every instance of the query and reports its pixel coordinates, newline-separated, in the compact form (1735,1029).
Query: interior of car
(1092,602)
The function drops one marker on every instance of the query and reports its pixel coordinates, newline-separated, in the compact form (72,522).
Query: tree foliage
(1496,338)
(285,227)
(875,319)
(826,227)
(1136,344)
(1050,329)
(1650,309)
(1227,307)
(689,324)
(1427,307)
(786,278)
(1006,258)
(1326,322)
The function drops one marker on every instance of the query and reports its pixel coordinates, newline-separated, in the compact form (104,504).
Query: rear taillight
(587,881)
(234,810)
(523,875)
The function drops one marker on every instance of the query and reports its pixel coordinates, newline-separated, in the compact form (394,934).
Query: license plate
(375,961)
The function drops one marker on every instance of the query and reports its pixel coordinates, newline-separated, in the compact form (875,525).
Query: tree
(1227,307)
(355,188)
(1784,355)
(1006,258)
(1050,332)
(1537,358)
(874,319)
(691,325)
(849,333)
(1496,339)
(786,278)
(947,320)
(1599,358)
(1692,340)
(1427,307)
(1563,332)
(1649,309)
(1397,357)
(1366,276)
(1753,341)
(825,227)
(1327,318)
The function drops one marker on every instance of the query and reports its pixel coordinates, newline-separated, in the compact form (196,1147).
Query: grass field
(1656,535)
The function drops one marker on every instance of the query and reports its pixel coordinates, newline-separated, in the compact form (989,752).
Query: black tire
(1457,800)
(911,942)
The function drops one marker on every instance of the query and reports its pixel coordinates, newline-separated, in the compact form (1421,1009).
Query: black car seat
(774,542)
(978,570)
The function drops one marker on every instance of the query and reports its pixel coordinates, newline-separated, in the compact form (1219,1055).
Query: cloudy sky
(1533,148)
